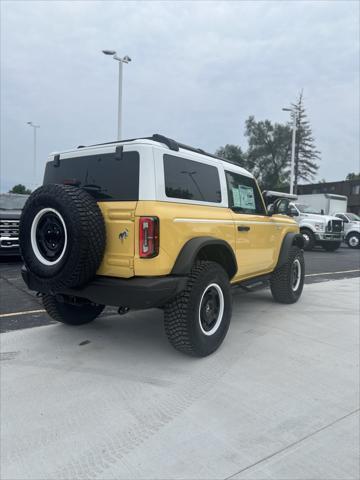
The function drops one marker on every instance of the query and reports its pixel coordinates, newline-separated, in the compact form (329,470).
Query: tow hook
(123,310)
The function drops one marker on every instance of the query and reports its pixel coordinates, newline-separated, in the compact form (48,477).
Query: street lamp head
(29,123)
(126,59)
(287,109)
(109,52)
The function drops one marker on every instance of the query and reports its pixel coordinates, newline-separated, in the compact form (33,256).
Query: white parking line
(14,314)
(331,273)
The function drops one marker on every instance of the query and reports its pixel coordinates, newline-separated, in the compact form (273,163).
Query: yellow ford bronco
(150,222)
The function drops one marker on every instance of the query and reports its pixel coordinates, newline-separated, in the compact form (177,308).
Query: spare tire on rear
(62,236)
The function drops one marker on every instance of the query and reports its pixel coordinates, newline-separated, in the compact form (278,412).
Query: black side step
(252,284)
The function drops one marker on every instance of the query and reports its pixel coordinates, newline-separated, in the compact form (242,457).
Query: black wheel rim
(50,236)
(210,308)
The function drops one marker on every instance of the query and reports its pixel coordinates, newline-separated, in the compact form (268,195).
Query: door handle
(243,228)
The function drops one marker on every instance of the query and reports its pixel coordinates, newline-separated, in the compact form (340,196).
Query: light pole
(292,163)
(122,60)
(34,126)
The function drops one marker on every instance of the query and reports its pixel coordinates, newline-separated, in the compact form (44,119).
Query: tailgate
(119,219)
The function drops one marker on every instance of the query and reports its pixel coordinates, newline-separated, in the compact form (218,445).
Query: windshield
(353,217)
(12,202)
(307,209)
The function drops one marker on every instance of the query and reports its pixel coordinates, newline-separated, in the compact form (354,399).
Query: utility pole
(293,143)
(34,126)
(122,60)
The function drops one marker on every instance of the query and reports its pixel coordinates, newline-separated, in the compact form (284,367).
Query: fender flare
(289,240)
(191,249)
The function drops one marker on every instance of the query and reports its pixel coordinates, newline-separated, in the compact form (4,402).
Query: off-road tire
(71,314)
(85,229)
(356,243)
(182,315)
(309,239)
(282,280)
(330,246)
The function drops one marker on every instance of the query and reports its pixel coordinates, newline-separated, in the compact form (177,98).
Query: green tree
(269,147)
(19,188)
(353,176)
(232,153)
(306,154)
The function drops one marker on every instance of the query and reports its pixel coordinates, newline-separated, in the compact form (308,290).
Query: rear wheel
(309,239)
(197,320)
(331,246)
(71,313)
(353,240)
(287,282)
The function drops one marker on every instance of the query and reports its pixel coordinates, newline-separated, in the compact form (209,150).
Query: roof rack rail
(170,143)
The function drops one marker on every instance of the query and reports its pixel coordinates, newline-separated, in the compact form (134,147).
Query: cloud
(199,70)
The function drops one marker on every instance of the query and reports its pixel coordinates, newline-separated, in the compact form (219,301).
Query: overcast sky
(199,70)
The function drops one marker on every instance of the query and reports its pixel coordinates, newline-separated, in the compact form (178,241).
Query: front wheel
(71,313)
(353,240)
(197,320)
(331,246)
(287,281)
(309,239)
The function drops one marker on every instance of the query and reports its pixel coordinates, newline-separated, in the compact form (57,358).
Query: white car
(351,228)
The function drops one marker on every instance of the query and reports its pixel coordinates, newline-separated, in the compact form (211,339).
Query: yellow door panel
(119,219)
(258,242)
(256,238)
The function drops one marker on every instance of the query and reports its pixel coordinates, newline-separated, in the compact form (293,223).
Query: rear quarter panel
(178,224)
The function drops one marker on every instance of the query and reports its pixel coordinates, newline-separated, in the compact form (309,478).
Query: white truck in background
(336,206)
(315,227)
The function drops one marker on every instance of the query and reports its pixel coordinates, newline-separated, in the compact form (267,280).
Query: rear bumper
(135,292)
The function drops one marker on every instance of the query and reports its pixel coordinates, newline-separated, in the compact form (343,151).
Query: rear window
(191,180)
(107,177)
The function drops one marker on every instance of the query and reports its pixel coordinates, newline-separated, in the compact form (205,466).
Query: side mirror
(280,206)
(293,212)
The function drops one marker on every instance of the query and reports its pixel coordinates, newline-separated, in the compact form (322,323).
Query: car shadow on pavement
(142,331)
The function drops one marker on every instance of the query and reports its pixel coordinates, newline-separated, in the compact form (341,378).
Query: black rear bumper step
(135,292)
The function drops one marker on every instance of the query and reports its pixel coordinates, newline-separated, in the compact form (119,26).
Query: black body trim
(191,250)
(135,292)
(289,240)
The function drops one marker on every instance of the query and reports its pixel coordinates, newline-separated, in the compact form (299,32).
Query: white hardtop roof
(111,147)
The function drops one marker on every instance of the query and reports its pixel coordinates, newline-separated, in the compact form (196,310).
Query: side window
(191,180)
(293,211)
(244,195)
(342,217)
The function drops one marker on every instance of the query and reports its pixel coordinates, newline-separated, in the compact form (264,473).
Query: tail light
(148,237)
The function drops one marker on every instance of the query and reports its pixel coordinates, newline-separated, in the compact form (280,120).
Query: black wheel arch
(352,232)
(289,240)
(205,248)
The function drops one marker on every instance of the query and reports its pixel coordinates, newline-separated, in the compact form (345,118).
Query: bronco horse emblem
(123,235)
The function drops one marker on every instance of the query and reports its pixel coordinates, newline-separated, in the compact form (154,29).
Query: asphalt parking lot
(20,308)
